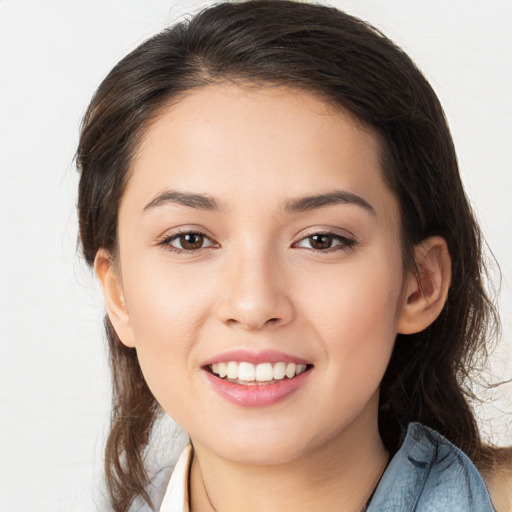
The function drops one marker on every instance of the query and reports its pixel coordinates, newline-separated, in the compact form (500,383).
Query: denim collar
(429,474)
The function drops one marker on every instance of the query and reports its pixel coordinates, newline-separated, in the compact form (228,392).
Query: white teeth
(263,372)
(246,371)
(223,369)
(279,371)
(233,370)
(290,370)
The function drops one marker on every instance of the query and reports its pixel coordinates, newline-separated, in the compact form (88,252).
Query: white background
(54,387)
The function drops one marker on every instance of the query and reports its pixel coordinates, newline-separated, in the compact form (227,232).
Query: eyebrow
(199,201)
(302,204)
(309,203)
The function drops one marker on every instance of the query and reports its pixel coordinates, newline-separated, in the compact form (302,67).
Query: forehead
(236,142)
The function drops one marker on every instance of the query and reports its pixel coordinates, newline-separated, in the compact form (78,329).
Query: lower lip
(256,395)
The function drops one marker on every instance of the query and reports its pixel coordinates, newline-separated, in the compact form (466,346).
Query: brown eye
(320,242)
(189,242)
(325,241)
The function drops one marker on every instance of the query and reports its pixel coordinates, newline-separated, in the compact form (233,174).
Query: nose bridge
(255,291)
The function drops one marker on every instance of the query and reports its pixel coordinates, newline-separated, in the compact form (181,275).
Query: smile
(256,379)
(256,385)
(256,374)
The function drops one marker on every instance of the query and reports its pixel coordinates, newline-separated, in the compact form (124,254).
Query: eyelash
(167,242)
(344,243)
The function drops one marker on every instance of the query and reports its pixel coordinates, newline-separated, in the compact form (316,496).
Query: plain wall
(54,385)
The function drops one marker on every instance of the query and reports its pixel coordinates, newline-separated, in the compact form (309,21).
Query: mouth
(256,379)
(249,374)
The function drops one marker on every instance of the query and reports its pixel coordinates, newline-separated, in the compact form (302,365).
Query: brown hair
(350,64)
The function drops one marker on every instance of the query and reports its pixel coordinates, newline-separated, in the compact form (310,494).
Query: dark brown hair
(350,64)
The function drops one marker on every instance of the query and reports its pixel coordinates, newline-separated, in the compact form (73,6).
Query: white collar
(176,495)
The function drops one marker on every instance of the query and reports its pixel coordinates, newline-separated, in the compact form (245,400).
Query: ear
(426,290)
(113,293)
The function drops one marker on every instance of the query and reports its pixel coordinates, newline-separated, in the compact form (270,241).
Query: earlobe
(113,294)
(427,289)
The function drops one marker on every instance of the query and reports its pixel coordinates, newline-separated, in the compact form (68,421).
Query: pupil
(321,241)
(192,241)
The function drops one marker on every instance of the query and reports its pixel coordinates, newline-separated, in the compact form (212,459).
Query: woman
(271,201)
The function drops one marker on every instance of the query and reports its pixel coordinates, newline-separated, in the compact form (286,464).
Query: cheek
(356,298)
(167,315)
(165,301)
(356,321)
(356,316)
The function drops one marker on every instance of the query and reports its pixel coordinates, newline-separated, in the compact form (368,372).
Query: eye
(187,242)
(325,242)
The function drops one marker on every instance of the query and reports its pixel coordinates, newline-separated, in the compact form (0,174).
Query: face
(257,237)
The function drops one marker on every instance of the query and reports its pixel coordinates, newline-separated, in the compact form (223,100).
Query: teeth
(246,371)
(223,369)
(263,372)
(279,371)
(290,370)
(232,370)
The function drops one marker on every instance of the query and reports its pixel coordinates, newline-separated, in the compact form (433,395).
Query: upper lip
(262,356)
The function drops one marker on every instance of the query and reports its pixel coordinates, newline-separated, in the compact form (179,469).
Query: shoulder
(498,477)
(429,474)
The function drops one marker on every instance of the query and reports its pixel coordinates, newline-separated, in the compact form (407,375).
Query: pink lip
(257,395)
(264,356)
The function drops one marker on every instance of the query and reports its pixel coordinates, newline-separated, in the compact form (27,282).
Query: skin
(499,480)
(260,282)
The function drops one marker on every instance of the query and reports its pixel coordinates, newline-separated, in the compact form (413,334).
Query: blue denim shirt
(427,474)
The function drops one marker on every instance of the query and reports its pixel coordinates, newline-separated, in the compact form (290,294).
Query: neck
(340,476)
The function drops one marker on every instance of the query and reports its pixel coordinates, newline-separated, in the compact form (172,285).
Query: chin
(256,454)
(260,448)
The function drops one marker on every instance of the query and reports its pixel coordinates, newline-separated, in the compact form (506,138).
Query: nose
(255,294)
